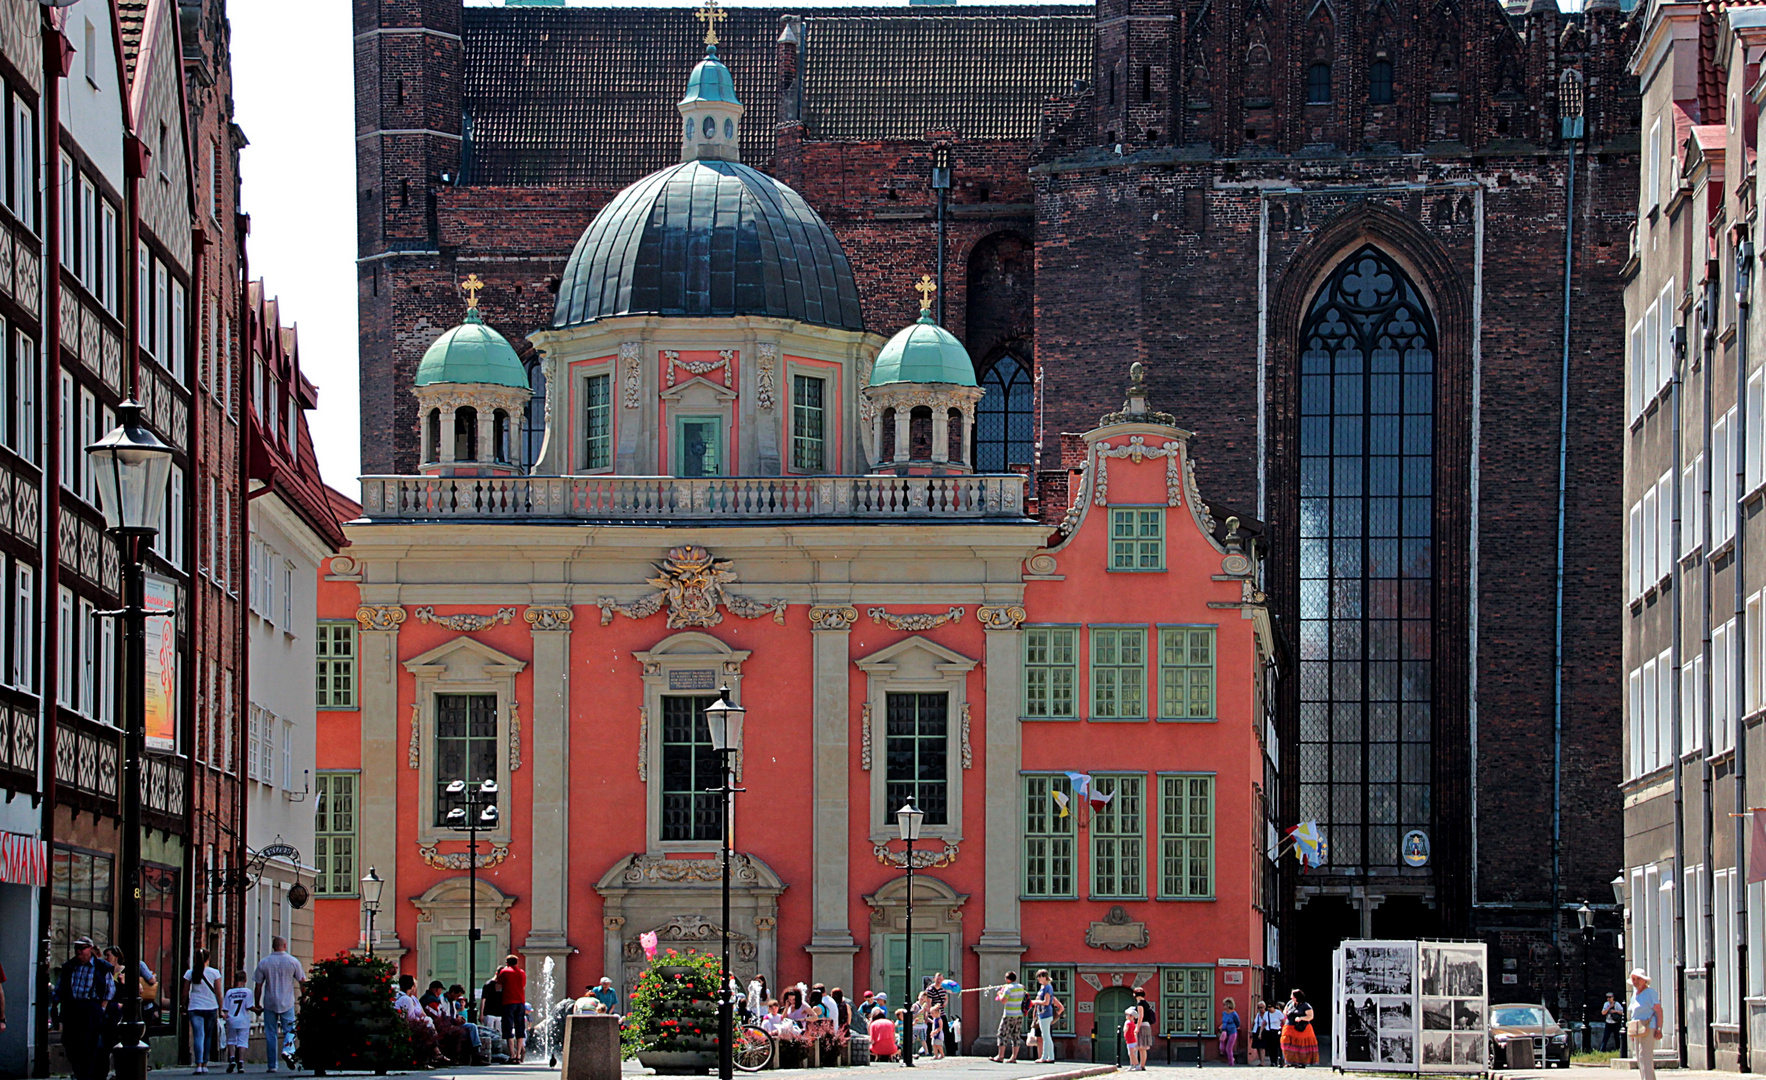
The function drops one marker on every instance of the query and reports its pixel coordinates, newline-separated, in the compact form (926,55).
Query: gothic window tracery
(1367,429)
(1004,416)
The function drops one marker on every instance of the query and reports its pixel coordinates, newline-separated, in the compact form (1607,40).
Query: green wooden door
(1109,1006)
(447,961)
(931,953)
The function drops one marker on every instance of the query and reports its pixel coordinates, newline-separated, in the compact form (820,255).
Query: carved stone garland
(515,734)
(864,746)
(413,749)
(968,751)
(459,860)
(725,360)
(691,581)
(465,623)
(767,364)
(1137,451)
(915,622)
(922,859)
(631,361)
(660,869)
(644,743)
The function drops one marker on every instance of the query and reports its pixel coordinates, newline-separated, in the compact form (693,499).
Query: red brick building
(1242,196)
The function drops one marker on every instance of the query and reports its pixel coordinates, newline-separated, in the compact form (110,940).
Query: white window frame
(83,476)
(68,172)
(64,654)
(161,315)
(1723,976)
(1652,343)
(107,658)
(68,432)
(24,162)
(176,332)
(1636,550)
(1692,518)
(1651,572)
(1653,197)
(1652,718)
(87,271)
(1668,311)
(1692,705)
(1634,722)
(1635,370)
(1665,525)
(24,429)
(110,266)
(24,614)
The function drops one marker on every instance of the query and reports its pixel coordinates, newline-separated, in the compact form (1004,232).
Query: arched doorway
(1366,566)
(1107,1021)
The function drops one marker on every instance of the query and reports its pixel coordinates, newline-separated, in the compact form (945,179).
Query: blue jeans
(202,1026)
(278,1035)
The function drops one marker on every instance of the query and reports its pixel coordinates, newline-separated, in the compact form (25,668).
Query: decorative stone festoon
(471,393)
(922,383)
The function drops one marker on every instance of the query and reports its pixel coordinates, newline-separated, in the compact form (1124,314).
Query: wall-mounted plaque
(692,680)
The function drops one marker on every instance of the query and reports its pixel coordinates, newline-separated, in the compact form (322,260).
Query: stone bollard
(591,1048)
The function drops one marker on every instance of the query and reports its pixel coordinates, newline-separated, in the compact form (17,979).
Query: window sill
(1188,899)
(1026,898)
(929,835)
(1115,719)
(1048,719)
(1135,570)
(1097,898)
(1189,719)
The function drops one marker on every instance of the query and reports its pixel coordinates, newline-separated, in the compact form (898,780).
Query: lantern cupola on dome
(471,389)
(923,394)
(711,114)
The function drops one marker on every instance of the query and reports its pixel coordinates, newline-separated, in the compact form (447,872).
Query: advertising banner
(162,664)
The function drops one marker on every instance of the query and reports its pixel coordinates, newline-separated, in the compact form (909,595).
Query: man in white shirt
(278,982)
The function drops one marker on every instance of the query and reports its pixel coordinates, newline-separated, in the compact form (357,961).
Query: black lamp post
(724,721)
(131,467)
(463,818)
(909,819)
(372,883)
(1585,920)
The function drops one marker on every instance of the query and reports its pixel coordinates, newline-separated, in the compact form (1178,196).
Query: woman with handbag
(1299,1041)
(1645,1028)
(202,1004)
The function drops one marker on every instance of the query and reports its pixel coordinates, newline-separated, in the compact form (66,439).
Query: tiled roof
(982,76)
(586,96)
(132,18)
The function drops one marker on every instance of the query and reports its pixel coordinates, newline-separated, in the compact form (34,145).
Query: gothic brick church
(1370,251)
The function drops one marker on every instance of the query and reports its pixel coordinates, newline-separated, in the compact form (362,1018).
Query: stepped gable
(584,97)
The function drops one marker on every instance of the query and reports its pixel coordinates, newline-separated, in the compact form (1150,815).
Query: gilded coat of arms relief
(692,584)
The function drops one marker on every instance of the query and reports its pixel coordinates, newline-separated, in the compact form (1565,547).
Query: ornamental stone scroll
(388,617)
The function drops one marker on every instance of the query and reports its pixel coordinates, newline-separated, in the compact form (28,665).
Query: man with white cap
(1646,1023)
(605,994)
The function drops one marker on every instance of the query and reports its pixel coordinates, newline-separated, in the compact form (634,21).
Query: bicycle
(752,1049)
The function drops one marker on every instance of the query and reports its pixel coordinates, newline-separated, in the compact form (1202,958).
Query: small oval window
(710,127)
(688,132)
(729,129)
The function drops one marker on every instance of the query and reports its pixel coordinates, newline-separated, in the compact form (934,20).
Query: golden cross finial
(926,288)
(472,285)
(711,14)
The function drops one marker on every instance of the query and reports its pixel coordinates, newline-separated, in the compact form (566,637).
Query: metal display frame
(1414,1007)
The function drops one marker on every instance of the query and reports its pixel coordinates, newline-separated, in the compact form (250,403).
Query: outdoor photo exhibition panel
(1409,1006)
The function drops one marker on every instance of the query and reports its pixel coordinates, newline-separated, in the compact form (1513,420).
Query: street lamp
(723,720)
(1585,920)
(909,819)
(463,818)
(131,467)
(372,883)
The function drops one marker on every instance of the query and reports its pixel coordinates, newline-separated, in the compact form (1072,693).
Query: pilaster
(831,946)
(383,754)
(549,759)
(1001,947)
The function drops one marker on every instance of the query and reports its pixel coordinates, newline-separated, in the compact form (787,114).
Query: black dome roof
(708,237)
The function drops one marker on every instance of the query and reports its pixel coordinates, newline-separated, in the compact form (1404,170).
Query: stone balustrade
(665,498)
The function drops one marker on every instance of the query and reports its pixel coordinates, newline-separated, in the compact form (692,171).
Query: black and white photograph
(1450,972)
(1468,1014)
(1395,1015)
(1397,1049)
(1468,1049)
(1379,969)
(1437,1048)
(1437,1014)
(1361,1017)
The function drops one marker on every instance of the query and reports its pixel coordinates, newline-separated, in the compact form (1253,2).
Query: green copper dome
(472,353)
(710,81)
(924,352)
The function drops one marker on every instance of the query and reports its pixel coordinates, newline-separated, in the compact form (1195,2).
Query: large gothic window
(1367,433)
(1003,419)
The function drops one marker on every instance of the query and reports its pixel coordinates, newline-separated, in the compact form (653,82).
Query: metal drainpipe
(1557,666)
(1677,713)
(1708,681)
(57,52)
(1744,278)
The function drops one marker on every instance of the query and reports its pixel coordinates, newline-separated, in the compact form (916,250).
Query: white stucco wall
(280,632)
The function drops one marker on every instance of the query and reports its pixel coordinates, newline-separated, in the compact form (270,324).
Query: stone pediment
(464,659)
(659,871)
(916,657)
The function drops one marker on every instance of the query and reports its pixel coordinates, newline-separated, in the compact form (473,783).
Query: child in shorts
(1131,1024)
(236,1009)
